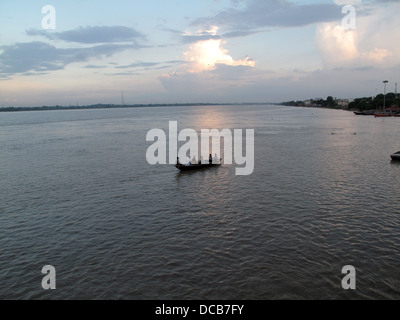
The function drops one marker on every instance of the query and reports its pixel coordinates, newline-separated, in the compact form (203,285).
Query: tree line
(375,103)
(361,104)
(329,102)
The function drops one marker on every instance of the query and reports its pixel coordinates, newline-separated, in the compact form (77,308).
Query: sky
(81,52)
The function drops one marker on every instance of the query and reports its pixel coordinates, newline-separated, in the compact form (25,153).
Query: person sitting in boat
(188,161)
(210,159)
(177,160)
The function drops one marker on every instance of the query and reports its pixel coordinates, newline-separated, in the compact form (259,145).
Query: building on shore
(343,102)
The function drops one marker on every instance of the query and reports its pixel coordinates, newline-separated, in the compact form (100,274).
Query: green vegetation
(330,102)
(371,103)
(361,104)
(293,103)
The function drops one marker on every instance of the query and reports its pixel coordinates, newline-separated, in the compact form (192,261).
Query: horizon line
(110,105)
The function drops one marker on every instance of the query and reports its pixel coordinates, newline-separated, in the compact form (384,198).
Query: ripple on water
(85,200)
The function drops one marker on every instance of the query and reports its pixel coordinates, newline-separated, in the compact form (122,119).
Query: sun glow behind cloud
(204,55)
(349,47)
(336,43)
(371,43)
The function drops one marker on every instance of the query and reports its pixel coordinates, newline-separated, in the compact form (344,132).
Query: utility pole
(122,99)
(384,95)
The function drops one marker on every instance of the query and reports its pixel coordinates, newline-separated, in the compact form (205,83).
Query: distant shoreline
(114,106)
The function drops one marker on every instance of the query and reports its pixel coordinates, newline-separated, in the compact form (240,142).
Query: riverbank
(116,106)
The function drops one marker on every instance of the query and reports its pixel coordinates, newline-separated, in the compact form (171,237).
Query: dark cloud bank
(37,56)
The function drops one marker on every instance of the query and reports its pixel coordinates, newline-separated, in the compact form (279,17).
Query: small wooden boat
(395,156)
(191,167)
(380,115)
(364,113)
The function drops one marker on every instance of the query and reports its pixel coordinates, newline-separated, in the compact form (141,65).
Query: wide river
(77,193)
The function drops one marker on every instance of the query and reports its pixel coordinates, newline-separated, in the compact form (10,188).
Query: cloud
(201,35)
(245,84)
(237,34)
(259,14)
(138,65)
(205,55)
(195,38)
(92,35)
(377,54)
(211,33)
(225,83)
(204,86)
(146,66)
(347,2)
(92,66)
(336,43)
(39,56)
(128,73)
(373,42)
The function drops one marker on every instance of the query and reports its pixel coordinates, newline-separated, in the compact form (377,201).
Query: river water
(77,193)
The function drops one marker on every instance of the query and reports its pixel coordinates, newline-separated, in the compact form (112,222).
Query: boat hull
(365,113)
(382,115)
(395,156)
(193,167)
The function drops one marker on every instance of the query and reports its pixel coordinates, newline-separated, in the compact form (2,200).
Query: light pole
(384,94)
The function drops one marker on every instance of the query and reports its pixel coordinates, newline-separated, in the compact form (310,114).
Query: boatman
(210,159)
